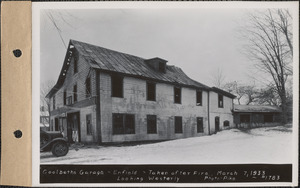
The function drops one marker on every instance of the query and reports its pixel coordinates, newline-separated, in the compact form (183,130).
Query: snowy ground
(260,145)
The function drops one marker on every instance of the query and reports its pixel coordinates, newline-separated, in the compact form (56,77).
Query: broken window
(75,93)
(151,91)
(226,123)
(200,125)
(75,65)
(65,97)
(177,95)
(88,87)
(220,101)
(53,101)
(268,118)
(151,124)
(89,124)
(199,98)
(116,86)
(178,124)
(123,124)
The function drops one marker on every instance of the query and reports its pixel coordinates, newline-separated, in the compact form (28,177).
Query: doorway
(73,127)
(217,123)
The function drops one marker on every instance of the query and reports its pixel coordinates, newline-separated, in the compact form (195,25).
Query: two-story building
(107,96)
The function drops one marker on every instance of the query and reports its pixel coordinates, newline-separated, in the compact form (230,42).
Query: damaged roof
(256,108)
(112,61)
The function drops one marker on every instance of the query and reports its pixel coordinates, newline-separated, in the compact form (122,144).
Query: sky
(199,41)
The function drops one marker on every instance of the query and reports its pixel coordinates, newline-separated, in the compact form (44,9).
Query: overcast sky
(200,41)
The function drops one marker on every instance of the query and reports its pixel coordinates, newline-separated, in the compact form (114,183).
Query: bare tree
(269,44)
(45,102)
(245,94)
(218,78)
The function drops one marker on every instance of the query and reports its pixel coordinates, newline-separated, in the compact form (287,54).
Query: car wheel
(60,149)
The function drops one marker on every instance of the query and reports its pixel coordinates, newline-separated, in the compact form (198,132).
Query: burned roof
(256,108)
(108,60)
(225,93)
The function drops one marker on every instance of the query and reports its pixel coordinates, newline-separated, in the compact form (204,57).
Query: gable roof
(112,61)
(256,108)
(225,93)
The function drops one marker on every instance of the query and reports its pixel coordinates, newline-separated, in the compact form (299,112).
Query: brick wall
(134,102)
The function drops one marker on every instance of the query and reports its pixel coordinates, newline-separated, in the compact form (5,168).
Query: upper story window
(220,101)
(116,86)
(151,91)
(75,65)
(75,93)
(177,95)
(65,97)
(53,101)
(199,98)
(88,87)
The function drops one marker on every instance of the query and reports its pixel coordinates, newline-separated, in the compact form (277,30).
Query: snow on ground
(259,145)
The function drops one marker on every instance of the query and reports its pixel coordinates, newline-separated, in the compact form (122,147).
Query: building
(106,96)
(250,116)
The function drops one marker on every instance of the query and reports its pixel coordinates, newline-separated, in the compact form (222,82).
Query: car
(54,141)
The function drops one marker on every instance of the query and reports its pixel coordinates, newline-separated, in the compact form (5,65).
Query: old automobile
(55,142)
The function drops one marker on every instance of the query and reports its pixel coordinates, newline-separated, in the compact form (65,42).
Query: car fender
(49,144)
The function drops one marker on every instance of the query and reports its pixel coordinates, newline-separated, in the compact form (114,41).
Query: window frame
(178,130)
(75,96)
(148,91)
(113,87)
(124,122)
(150,127)
(220,101)
(199,103)
(179,98)
(88,87)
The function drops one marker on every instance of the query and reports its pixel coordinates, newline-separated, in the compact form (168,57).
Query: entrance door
(217,124)
(73,127)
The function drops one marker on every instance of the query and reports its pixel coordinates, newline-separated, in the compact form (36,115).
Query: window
(162,67)
(151,124)
(89,124)
(200,125)
(178,124)
(69,100)
(65,97)
(88,87)
(177,95)
(199,98)
(151,91)
(220,101)
(75,65)
(53,101)
(75,93)
(268,118)
(123,124)
(51,125)
(226,123)
(116,86)
(56,125)
(245,118)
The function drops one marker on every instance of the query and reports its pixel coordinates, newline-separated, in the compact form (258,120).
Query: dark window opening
(220,101)
(53,101)
(226,123)
(162,67)
(199,98)
(51,125)
(65,97)
(123,124)
(200,128)
(178,124)
(151,91)
(75,93)
(56,125)
(268,118)
(116,86)
(69,100)
(151,124)
(245,118)
(88,87)
(75,65)
(177,95)
(89,124)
